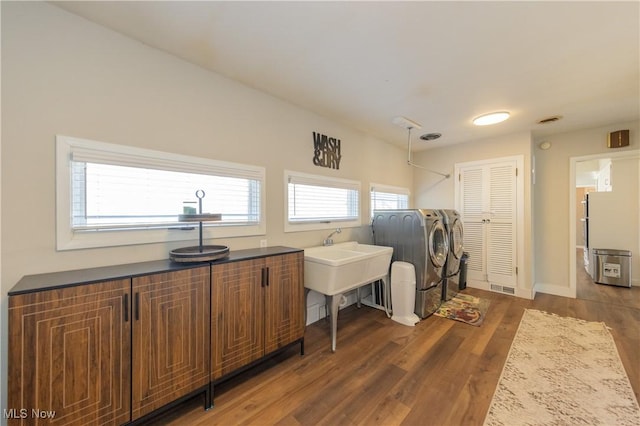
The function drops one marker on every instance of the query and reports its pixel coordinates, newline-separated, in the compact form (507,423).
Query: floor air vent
(503,289)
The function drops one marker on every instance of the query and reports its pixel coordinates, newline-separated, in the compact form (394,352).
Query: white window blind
(319,199)
(384,197)
(119,188)
(110,196)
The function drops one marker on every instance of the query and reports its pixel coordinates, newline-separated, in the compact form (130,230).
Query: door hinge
(459,177)
(516,171)
(516,270)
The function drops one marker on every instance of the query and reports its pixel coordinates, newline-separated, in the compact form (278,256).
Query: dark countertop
(49,281)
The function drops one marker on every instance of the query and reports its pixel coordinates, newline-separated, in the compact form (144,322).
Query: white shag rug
(562,371)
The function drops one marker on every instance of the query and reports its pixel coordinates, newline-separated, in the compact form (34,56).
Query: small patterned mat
(464,308)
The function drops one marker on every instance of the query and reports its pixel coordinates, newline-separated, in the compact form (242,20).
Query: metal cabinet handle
(265,277)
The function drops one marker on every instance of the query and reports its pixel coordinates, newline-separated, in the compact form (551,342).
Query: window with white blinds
(385,197)
(319,202)
(126,191)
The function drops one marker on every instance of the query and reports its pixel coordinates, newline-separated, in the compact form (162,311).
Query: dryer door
(455,239)
(438,244)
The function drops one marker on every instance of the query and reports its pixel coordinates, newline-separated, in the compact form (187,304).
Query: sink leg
(358,298)
(387,295)
(335,307)
(306,296)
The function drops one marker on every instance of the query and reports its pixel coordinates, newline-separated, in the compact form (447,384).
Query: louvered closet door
(488,209)
(501,225)
(472,209)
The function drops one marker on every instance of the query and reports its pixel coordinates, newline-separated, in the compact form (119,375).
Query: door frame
(630,153)
(519,216)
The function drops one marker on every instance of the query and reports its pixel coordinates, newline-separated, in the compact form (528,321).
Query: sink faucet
(329,241)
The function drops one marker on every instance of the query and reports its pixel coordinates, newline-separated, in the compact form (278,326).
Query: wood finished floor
(441,372)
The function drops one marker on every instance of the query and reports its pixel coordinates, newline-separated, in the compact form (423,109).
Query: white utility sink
(338,268)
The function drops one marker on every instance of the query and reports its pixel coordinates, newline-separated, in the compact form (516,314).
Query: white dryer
(451,277)
(419,237)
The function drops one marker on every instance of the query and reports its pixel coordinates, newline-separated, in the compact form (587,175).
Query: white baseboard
(524,293)
(556,290)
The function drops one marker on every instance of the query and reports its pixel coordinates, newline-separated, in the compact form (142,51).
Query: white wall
(433,191)
(65,75)
(551,213)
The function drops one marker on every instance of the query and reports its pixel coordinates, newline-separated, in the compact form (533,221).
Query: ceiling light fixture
(491,118)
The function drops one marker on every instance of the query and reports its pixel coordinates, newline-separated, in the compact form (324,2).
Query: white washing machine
(451,277)
(419,237)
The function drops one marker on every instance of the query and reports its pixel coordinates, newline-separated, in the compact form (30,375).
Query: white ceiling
(437,63)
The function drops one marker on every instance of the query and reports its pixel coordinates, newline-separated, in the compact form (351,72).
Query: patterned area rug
(464,308)
(562,371)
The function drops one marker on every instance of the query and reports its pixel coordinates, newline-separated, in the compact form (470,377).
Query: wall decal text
(326,151)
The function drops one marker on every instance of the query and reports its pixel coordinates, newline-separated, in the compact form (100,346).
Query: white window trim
(380,187)
(67,239)
(329,181)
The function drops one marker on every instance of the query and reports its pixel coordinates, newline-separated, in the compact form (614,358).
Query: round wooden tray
(196,254)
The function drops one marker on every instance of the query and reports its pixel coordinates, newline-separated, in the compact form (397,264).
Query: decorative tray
(199,253)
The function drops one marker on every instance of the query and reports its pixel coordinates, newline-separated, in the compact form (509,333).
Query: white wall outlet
(263,243)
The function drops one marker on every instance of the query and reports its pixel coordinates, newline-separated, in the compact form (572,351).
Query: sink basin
(336,269)
(342,267)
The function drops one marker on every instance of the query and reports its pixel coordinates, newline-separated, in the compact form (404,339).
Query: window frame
(69,239)
(379,187)
(296,226)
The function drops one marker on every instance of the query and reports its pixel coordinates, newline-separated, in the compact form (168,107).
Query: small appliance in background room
(419,237)
(451,279)
(612,267)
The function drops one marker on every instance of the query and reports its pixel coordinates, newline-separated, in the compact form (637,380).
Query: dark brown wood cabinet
(237,310)
(113,345)
(284,313)
(257,307)
(171,338)
(69,355)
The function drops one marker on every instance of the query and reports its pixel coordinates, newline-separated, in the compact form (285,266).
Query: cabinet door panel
(284,301)
(70,354)
(170,337)
(237,315)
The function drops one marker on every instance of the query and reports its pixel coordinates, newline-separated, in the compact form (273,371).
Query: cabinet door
(237,326)
(284,300)
(69,355)
(170,337)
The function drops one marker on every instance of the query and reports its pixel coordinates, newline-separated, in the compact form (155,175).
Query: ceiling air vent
(430,136)
(549,119)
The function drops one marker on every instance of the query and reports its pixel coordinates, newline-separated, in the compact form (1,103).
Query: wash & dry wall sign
(326,151)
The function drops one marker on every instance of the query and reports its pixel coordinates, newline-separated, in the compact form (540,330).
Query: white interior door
(501,224)
(488,206)
(472,206)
